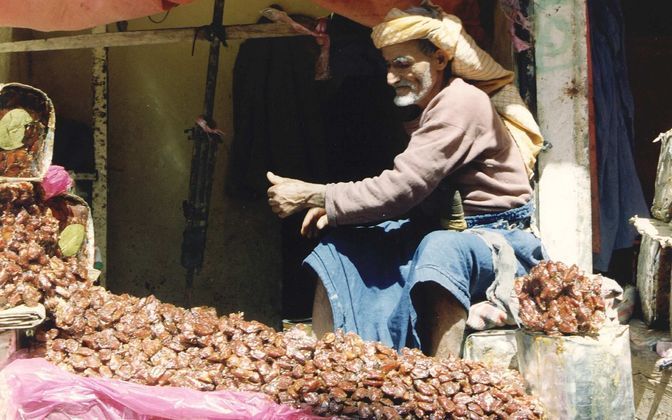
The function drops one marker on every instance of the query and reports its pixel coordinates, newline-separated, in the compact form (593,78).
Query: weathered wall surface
(13,67)
(66,77)
(5,60)
(564,185)
(155,93)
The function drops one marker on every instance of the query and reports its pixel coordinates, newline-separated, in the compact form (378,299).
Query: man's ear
(441,59)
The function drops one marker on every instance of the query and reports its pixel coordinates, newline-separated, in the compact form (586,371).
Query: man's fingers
(308,231)
(281,213)
(314,220)
(274,179)
(277,209)
(322,222)
(306,225)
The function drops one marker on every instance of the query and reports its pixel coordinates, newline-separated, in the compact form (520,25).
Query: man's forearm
(287,196)
(316,195)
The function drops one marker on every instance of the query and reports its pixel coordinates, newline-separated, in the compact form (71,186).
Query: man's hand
(314,221)
(287,196)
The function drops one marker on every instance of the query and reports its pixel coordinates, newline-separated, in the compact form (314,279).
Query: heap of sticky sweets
(557,299)
(39,246)
(150,342)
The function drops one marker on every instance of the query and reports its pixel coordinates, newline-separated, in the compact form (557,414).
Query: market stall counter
(99,354)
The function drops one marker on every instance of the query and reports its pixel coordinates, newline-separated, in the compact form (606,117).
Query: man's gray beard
(406,100)
(412,98)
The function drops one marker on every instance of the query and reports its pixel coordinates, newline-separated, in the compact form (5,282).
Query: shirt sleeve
(434,151)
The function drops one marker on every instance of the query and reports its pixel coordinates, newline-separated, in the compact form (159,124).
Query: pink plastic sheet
(57,15)
(35,389)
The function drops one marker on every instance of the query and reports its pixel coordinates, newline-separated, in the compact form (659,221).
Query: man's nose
(392,78)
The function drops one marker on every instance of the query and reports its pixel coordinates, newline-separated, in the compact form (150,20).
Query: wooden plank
(656,229)
(654,267)
(99,114)
(653,282)
(652,388)
(662,200)
(564,191)
(592,148)
(148,37)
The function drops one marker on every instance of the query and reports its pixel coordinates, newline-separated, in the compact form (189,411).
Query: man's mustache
(399,85)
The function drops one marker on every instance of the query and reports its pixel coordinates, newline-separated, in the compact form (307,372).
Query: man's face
(415,76)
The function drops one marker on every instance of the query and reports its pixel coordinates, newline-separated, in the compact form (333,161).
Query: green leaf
(13,128)
(71,239)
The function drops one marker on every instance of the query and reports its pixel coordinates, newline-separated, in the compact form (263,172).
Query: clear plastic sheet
(35,389)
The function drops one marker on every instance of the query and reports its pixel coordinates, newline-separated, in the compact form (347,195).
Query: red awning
(372,12)
(57,15)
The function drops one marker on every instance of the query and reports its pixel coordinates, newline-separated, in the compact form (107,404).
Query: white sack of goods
(572,358)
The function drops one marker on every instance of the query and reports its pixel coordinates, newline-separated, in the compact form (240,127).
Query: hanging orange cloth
(69,15)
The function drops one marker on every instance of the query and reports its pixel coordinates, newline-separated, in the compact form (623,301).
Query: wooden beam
(592,148)
(160,36)
(99,84)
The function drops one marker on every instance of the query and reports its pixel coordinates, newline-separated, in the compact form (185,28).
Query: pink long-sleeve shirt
(461,138)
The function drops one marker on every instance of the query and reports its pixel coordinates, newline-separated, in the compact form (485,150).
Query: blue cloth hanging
(621,195)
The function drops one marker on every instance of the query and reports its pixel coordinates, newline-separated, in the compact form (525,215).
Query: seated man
(411,281)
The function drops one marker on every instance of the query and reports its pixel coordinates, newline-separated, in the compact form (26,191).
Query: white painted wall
(564,195)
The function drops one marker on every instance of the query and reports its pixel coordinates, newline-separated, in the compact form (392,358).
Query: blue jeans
(369,272)
(518,218)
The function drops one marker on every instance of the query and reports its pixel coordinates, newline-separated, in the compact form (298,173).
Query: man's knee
(445,243)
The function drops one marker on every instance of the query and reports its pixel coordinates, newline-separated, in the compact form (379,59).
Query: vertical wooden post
(99,123)
(562,105)
(197,207)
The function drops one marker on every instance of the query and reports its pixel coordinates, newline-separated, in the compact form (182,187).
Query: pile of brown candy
(145,341)
(31,265)
(557,299)
(16,163)
(142,340)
